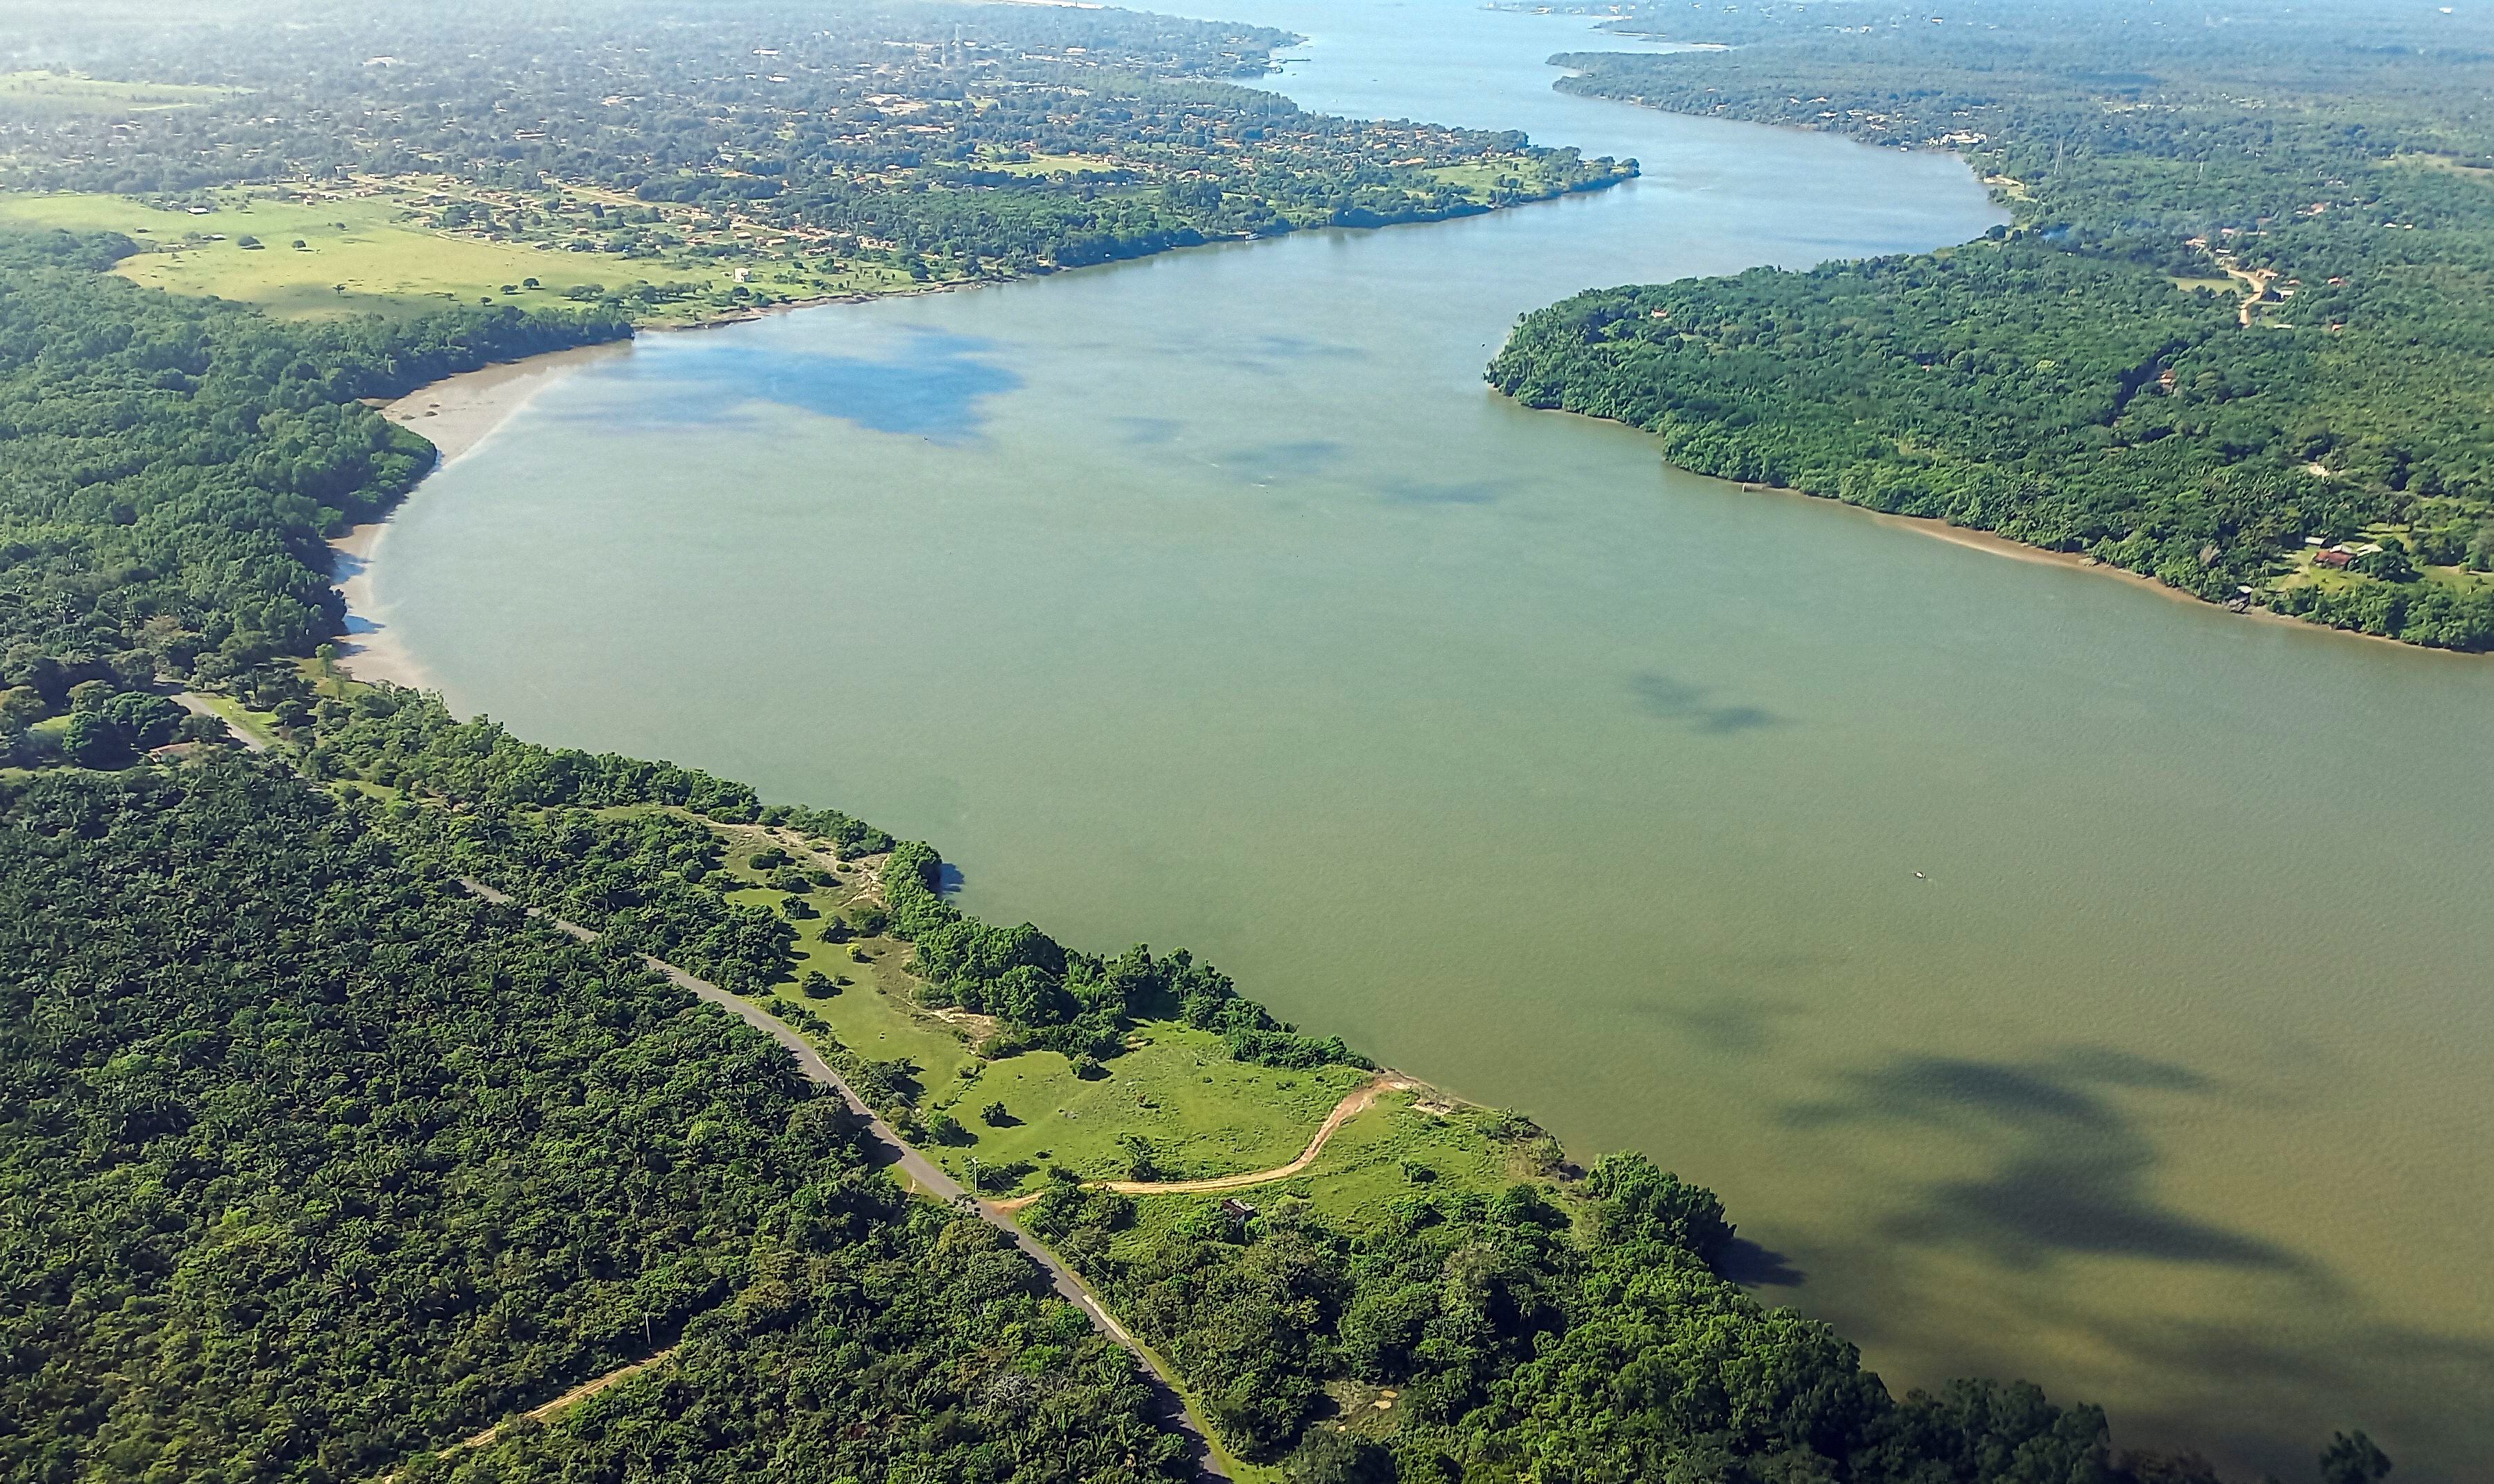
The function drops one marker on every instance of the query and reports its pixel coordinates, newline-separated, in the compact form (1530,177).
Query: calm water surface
(2056,979)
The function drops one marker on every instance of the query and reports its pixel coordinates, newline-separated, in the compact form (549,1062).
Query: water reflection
(929,382)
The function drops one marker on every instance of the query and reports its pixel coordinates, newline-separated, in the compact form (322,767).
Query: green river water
(2054,978)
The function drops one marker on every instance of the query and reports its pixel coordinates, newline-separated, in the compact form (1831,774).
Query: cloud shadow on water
(1267,462)
(1146,432)
(1668,699)
(1468,492)
(934,385)
(2069,1172)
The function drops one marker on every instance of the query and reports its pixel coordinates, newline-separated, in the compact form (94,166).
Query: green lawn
(259,726)
(1392,1150)
(359,254)
(59,94)
(1479,177)
(1202,1113)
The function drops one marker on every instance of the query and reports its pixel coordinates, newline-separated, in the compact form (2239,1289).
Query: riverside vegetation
(2236,337)
(317,1166)
(679,166)
(356,1165)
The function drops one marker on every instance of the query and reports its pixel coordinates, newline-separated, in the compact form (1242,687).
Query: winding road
(921,1172)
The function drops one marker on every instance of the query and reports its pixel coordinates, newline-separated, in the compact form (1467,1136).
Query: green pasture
(359,254)
(1201,1113)
(60,94)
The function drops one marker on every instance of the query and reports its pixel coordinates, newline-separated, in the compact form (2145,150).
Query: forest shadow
(1753,1266)
(2069,1170)
(1668,699)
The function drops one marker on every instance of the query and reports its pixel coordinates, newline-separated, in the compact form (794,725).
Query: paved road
(921,1172)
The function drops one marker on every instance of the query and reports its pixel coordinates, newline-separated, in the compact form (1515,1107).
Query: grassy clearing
(360,254)
(1405,1145)
(1050,165)
(259,726)
(1479,177)
(1200,1112)
(56,95)
(2304,569)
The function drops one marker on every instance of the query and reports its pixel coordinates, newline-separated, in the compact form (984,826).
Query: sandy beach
(456,415)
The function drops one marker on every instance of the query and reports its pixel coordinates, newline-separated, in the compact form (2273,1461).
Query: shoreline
(1998,545)
(461,412)
(456,415)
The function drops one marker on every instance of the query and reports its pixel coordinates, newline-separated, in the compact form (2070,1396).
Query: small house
(2332,557)
(1240,1212)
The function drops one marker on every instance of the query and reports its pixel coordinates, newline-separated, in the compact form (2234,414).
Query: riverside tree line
(2245,306)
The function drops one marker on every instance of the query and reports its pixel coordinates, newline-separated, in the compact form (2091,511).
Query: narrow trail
(922,1173)
(1353,1102)
(576,1395)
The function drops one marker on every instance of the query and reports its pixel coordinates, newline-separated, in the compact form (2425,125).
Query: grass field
(1201,1113)
(259,726)
(1178,1088)
(48,94)
(1402,1145)
(360,254)
(1049,165)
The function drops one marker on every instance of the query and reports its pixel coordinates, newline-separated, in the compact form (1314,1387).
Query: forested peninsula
(2238,335)
(319,1163)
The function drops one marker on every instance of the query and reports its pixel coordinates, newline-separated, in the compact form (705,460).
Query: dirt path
(197,706)
(923,1173)
(1352,1104)
(577,1394)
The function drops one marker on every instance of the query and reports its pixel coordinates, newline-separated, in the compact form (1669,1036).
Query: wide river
(2057,978)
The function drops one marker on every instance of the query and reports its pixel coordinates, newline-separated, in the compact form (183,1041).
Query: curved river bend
(2056,979)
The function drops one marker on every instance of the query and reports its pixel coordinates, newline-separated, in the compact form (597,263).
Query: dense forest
(317,1165)
(313,1164)
(949,140)
(170,467)
(2238,336)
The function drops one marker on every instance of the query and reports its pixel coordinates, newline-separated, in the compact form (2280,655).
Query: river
(2056,979)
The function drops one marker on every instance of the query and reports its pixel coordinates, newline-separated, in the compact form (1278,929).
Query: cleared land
(40,93)
(358,254)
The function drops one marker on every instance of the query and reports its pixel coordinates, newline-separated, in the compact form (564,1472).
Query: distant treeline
(896,133)
(2091,380)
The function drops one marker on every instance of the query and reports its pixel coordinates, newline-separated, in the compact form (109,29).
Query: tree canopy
(2243,312)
